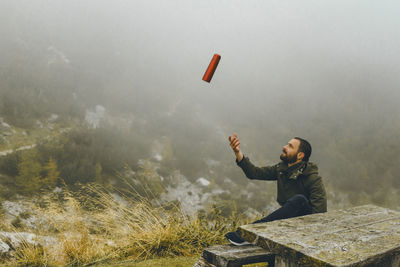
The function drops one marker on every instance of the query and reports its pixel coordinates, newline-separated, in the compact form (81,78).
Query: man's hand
(235,145)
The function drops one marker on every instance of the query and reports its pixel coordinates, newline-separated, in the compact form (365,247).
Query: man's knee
(298,200)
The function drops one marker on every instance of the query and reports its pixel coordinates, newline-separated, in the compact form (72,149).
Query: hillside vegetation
(50,107)
(95,226)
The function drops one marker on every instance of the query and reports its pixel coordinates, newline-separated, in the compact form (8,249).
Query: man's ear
(300,156)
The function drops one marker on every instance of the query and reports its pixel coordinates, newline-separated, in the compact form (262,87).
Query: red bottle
(211,68)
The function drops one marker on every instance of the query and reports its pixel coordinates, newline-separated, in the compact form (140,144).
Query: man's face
(290,151)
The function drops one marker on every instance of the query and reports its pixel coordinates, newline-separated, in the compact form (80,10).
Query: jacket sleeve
(257,173)
(317,195)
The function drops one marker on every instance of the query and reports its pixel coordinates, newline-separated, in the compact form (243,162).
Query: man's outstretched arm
(251,171)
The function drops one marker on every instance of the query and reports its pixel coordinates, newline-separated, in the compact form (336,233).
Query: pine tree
(98,176)
(52,174)
(28,180)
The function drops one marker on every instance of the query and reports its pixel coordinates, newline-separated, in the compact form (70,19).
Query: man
(300,188)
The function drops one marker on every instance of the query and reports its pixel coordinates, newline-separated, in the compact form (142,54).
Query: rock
(52,118)
(203,263)
(39,123)
(94,118)
(57,190)
(11,241)
(4,126)
(203,181)
(4,248)
(15,239)
(6,152)
(14,208)
(23,211)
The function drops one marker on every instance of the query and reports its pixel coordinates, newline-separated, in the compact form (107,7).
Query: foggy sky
(286,61)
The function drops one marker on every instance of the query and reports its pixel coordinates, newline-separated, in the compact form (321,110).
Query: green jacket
(301,178)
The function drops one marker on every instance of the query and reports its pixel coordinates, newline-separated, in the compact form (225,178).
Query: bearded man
(300,188)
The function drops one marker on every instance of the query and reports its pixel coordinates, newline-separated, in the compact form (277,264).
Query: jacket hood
(311,168)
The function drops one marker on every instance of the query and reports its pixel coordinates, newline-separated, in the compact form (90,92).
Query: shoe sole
(239,244)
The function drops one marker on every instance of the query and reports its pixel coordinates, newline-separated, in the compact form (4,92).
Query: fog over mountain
(327,71)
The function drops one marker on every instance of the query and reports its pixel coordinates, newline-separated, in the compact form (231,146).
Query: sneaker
(235,239)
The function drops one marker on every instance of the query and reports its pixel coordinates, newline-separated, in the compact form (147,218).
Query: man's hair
(304,147)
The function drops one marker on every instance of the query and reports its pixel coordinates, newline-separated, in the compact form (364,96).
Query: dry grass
(179,261)
(95,226)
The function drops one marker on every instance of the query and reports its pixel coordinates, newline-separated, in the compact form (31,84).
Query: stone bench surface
(236,256)
(360,236)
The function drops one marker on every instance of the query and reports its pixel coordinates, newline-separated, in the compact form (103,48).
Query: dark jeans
(297,205)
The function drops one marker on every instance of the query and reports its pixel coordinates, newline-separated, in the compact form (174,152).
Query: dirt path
(9,151)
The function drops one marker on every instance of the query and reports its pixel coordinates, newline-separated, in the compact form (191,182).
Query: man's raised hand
(235,144)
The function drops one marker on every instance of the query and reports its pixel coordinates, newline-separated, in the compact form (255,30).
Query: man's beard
(288,159)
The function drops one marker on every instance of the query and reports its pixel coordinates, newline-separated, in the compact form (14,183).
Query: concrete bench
(234,256)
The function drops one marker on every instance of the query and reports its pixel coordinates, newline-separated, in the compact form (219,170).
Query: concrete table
(360,236)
